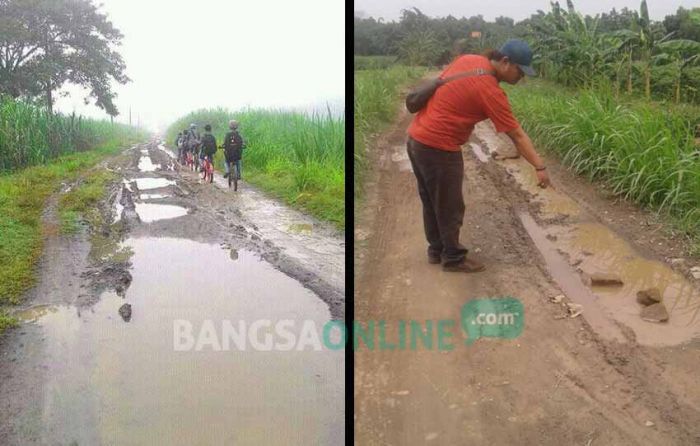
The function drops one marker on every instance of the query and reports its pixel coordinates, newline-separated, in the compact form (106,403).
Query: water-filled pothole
(152,183)
(146,165)
(597,249)
(118,382)
(149,212)
(152,196)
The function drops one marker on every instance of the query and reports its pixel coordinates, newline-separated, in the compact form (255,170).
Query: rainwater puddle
(152,183)
(570,282)
(146,165)
(167,151)
(152,196)
(301,228)
(400,158)
(607,253)
(118,208)
(35,312)
(149,212)
(553,202)
(321,249)
(476,148)
(127,184)
(117,382)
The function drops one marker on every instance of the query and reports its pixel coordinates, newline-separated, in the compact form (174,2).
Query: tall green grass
(373,62)
(297,157)
(377,97)
(30,135)
(645,152)
(57,149)
(23,195)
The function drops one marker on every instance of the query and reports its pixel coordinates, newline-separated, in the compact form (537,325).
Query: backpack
(234,145)
(209,143)
(236,141)
(192,141)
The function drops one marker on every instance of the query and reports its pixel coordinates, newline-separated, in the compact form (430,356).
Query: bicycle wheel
(234,174)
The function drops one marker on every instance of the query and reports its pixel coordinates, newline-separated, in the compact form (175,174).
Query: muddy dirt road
(95,360)
(605,377)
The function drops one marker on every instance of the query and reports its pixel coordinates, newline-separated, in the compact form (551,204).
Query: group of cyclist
(198,150)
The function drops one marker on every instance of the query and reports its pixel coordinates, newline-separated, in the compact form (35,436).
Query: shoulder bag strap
(477,72)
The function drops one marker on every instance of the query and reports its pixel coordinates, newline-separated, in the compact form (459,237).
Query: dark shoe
(434,259)
(465,266)
(226,175)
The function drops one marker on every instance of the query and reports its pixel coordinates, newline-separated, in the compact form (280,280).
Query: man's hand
(543,179)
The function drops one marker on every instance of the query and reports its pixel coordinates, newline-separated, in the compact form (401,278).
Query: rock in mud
(604,279)
(695,271)
(655,313)
(649,297)
(125,312)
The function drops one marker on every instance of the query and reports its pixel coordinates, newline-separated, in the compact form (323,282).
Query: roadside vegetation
(617,97)
(297,157)
(33,134)
(642,151)
(44,46)
(378,91)
(654,59)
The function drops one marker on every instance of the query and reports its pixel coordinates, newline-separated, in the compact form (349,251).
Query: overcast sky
(184,55)
(515,9)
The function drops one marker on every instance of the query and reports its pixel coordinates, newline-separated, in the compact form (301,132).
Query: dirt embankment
(604,377)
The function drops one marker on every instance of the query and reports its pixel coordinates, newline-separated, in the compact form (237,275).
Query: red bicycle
(208,169)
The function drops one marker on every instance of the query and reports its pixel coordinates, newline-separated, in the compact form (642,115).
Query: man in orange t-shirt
(439,130)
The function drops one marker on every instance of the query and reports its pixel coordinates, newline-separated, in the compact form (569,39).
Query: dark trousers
(439,174)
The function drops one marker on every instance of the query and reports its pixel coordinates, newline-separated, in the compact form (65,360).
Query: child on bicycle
(208,148)
(233,148)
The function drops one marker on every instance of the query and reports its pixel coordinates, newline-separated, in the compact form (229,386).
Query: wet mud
(93,361)
(597,376)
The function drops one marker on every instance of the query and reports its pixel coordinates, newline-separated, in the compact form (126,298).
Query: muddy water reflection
(606,252)
(146,165)
(119,383)
(152,183)
(149,212)
(152,196)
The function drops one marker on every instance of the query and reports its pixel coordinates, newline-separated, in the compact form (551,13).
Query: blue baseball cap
(519,52)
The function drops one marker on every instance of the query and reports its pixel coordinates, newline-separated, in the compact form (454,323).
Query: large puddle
(597,249)
(117,382)
(570,282)
(594,248)
(149,212)
(146,165)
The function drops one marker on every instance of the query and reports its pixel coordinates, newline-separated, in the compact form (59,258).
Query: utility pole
(129,116)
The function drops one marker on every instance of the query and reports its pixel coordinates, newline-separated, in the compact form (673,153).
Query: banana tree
(627,43)
(681,54)
(650,37)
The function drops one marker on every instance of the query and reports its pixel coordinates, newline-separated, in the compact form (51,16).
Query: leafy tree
(680,54)
(685,24)
(47,43)
(615,21)
(420,47)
